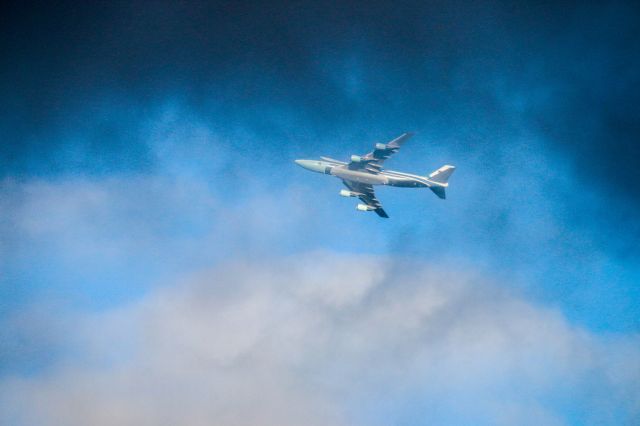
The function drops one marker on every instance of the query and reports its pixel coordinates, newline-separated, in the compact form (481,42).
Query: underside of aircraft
(361,173)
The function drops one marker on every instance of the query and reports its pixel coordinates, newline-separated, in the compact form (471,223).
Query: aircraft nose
(313,165)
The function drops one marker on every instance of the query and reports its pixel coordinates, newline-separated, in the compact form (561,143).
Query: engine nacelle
(346,193)
(381,146)
(356,158)
(364,208)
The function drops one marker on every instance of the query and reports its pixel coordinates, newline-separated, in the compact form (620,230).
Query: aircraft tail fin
(442,174)
(440,178)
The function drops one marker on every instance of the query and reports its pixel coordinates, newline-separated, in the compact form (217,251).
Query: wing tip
(380,211)
(400,139)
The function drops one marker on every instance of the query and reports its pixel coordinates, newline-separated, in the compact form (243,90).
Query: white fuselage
(384,177)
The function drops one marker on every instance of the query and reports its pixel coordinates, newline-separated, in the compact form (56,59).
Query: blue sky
(148,157)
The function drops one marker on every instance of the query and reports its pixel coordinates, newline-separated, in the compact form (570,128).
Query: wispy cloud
(160,263)
(324,338)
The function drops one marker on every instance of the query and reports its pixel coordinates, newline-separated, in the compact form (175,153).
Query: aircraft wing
(372,162)
(367,196)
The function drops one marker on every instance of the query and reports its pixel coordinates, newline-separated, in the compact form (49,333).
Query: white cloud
(331,339)
(321,338)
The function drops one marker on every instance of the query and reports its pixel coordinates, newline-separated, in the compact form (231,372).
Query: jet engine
(347,193)
(356,158)
(364,208)
(381,146)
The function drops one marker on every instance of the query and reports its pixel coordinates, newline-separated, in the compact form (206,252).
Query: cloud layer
(331,339)
(141,144)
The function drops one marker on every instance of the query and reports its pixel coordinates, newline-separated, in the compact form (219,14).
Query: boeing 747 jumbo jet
(362,172)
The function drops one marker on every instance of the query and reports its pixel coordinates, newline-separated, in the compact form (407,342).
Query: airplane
(362,172)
